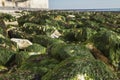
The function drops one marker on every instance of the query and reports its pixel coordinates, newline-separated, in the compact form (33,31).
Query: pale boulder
(21,43)
(55,34)
(71,16)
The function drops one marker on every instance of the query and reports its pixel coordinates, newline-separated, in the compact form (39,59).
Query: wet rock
(21,43)
(55,34)
(76,68)
(71,16)
(3,27)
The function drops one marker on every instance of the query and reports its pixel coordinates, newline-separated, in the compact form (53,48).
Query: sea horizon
(37,9)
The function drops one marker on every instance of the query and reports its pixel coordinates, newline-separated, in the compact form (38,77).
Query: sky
(83,4)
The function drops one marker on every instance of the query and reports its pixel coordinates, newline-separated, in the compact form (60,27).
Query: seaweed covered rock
(3,27)
(24,18)
(1,30)
(15,32)
(63,51)
(1,33)
(35,29)
(21,57)
(45,40)
(75,35)
(76,68)
(90,32)
(32,50)
(108,42)
(7,17)
(39,65)
(5,56)
(18,75)
(32,28)
(98,54)
(37,17)
(7,44)
(2,37)
(36,48)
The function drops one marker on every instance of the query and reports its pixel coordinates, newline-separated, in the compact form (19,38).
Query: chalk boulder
(55,34)
(21,43)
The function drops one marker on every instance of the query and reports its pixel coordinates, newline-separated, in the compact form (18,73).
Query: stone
(71,16)
(55,34)
(21,43)
(3,27)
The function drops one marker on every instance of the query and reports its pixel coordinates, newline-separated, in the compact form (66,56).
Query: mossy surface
(108,42)
(36,48)
(5,56)
(76,68)
(39,65)
(64,51)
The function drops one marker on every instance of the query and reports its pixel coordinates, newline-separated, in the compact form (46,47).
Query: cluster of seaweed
(67,45)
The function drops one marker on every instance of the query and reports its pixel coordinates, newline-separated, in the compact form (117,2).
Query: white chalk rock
(55,34)
(11,23)
(21,43)
(71,16)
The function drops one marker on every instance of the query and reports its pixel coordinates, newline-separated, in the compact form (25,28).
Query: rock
(76,68)
(18,75)
(6,56)
(39,65)
(35,49)
(21,43)
(108,42)
(11,23)
(98,54)
(45,40)
(61,51)
(15,32)
(55,34)
(3,27)
(6,43)
(71,16)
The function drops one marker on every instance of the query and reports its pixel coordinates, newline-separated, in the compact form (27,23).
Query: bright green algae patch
(64,51)
(76,68)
